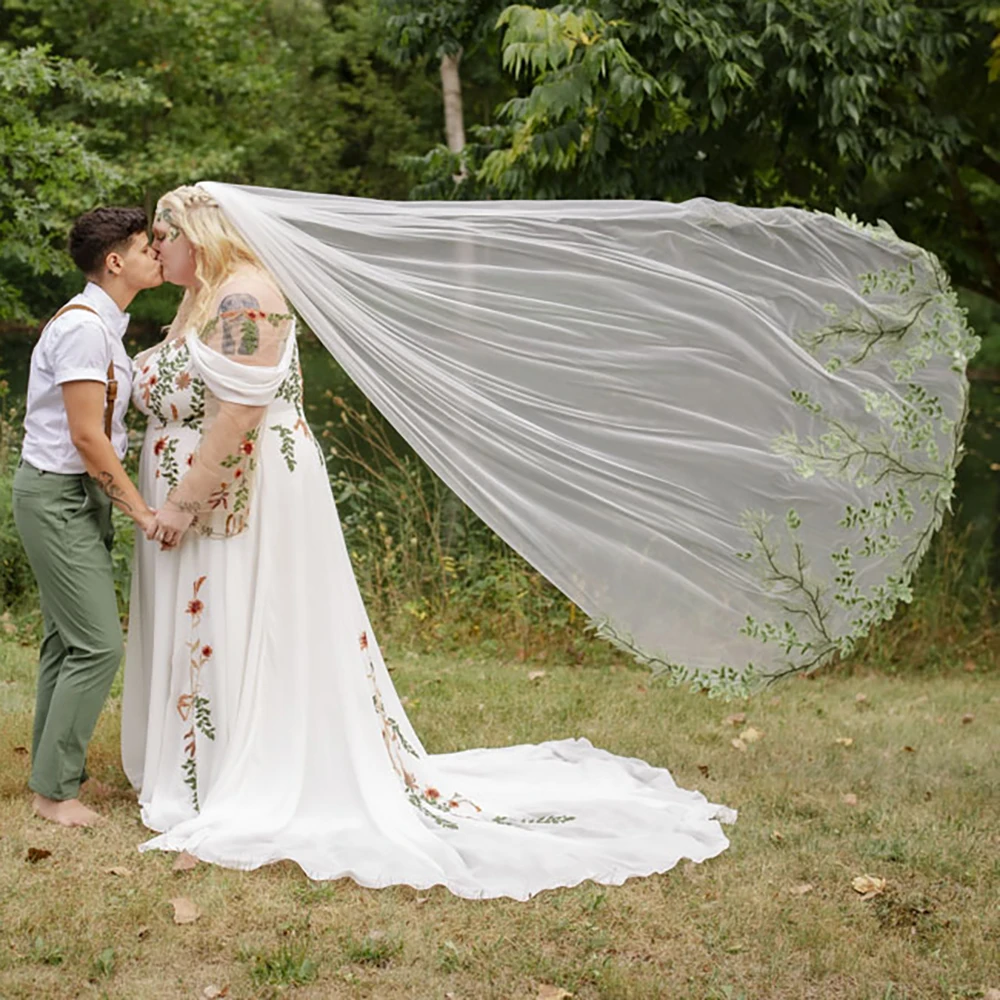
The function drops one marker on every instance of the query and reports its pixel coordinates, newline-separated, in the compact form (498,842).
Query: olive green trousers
(65,525)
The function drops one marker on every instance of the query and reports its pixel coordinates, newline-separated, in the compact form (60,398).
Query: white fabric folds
(727,434)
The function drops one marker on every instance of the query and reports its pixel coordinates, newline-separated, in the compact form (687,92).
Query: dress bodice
(169,389)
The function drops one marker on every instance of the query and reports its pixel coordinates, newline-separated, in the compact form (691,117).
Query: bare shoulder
(251,289)
(250,317)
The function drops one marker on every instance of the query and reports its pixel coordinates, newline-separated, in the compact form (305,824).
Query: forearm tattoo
(239,314)
(106,483)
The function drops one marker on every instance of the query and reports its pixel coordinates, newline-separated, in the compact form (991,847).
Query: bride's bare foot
(71,812)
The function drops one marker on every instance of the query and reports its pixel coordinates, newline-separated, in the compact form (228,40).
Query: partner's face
(139,264)
(175,251)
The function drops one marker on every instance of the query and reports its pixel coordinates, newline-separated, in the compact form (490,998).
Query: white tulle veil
(727,434)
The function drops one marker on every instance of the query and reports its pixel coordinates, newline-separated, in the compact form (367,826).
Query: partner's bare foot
(71,812)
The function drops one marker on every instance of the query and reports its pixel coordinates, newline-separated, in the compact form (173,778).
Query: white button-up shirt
(76,347)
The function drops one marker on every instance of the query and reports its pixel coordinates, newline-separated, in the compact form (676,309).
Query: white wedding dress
(260,723)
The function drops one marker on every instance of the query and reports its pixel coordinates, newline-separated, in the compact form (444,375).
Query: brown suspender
(111,393)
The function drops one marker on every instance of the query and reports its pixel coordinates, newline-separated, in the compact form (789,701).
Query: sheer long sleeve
(243,357)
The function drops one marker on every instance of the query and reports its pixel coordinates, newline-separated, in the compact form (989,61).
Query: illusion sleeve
(243,356)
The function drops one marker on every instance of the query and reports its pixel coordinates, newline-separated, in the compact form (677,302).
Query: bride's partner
(259,722)
(69,475)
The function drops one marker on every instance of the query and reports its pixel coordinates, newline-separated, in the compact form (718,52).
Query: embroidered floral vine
(429,800)
(192,705)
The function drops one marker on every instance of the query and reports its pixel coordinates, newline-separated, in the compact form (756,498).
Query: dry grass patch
(909,795)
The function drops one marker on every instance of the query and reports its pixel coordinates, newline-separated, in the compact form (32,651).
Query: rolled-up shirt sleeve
(81,353)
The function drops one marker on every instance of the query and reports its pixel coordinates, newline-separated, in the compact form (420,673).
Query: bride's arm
(249,331)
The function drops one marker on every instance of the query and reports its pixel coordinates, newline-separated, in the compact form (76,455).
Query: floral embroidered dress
(259,720)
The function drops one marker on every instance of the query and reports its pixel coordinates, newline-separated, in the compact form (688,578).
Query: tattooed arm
(84,402)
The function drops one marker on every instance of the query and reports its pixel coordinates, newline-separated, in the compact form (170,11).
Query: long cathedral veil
(727,434)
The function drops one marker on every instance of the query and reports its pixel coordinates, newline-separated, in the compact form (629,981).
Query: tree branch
(986,165)
(976,226)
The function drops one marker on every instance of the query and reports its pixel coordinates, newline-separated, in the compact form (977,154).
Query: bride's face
(175,251)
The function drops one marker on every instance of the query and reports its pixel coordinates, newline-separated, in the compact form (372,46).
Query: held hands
(167,525)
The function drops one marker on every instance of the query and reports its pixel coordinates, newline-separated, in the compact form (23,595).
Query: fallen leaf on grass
(185,862)
(641,688)
(738,744)
(849,799)
(751,735)
(142,933)
(546,992)
(185,912)
(777,836)
(967,718)
(735,720)
(36,854)
(212,992)
(21,751)
(860,699)
(868,886)
(536,675)
(117,870)
(801,890)
(909,749)
(420,900)
(704,770)
(844,741)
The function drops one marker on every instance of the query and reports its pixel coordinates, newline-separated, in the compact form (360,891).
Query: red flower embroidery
(183,380)
(190,459)
(159,446)
(146,369)
(432,793)
(237,474)
(363,640)
(206,651)
(152,380)
(453,804)
(247,446)
(195,607)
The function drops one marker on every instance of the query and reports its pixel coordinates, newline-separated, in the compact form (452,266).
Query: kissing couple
(259,722)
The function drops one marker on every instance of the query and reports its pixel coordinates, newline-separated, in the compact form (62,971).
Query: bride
(259,720)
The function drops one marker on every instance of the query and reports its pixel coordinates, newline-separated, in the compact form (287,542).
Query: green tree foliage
(120,102)
(879,107)
(50,164)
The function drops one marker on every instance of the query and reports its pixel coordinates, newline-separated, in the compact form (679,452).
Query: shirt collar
(106,307)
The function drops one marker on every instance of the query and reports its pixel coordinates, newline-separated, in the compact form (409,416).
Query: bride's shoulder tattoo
(239,313)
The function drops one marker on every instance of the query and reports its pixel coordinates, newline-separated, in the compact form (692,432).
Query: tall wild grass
(435,578)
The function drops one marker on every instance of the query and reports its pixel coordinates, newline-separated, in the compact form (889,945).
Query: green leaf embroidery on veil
(913,310)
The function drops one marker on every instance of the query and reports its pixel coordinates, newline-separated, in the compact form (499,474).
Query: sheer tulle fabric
(727,434)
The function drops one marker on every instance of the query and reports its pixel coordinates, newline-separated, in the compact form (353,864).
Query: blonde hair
(219,250)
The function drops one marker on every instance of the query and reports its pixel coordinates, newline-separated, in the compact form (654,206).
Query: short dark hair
(100,232)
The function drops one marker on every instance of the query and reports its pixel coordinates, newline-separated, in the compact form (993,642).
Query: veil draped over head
(727,434)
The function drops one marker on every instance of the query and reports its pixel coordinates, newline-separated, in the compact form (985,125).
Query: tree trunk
(451,84)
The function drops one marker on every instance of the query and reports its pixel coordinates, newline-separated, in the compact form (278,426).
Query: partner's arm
(84,402)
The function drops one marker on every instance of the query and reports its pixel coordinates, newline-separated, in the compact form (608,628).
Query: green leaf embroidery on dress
(287,444)
(192,705)
(428,800)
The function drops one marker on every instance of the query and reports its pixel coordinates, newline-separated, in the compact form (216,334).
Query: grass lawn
(913,798)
